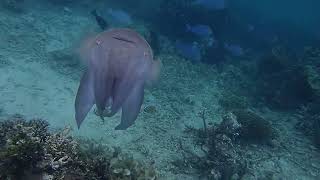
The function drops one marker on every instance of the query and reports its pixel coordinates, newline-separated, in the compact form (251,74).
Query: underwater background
(237,95)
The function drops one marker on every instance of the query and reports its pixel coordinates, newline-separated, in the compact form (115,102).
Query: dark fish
(120,63)
(154,42)
(120,16)
(234,49)
(200,30)
(189,50)
(212,4)
(100,20)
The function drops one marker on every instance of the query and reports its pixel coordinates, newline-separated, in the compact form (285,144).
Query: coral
(222,159)
(28,149)
(230,125)
(225,145)
(20,144)
(254,127)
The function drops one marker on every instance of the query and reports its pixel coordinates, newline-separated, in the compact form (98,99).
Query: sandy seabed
(37,83)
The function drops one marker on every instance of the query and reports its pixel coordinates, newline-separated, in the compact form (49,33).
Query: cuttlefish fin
(131,107)
(85,97)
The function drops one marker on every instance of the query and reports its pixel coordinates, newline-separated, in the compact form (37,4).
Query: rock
(281,81)
(254,127)
(230,125)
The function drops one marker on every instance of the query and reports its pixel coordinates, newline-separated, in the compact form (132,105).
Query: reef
(29,150)
(225,145)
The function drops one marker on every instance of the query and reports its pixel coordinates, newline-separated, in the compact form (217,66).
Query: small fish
(120,16)
(200,30)
(234,49)
(120,65)
(154,42)
(189,50)
(212,4)
(100,20)
(250,27)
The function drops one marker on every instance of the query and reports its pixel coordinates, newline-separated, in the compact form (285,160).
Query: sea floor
(38,83)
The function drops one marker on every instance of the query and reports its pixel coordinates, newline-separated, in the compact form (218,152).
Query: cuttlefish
(120,65)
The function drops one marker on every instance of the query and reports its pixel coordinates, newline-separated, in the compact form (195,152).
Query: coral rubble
(29,150)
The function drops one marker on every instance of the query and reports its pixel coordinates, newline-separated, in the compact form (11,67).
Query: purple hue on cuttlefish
(120,64)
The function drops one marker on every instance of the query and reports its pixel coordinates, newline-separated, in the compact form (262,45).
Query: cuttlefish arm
(95,85)
(102,77)
(131,106)
(128,96)
(85,97)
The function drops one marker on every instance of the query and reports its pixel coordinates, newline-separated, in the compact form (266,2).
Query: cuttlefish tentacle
(85,97)
(122,89)
(102,77)
(131,106)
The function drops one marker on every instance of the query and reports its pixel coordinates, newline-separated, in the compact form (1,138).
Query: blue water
(200,89)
